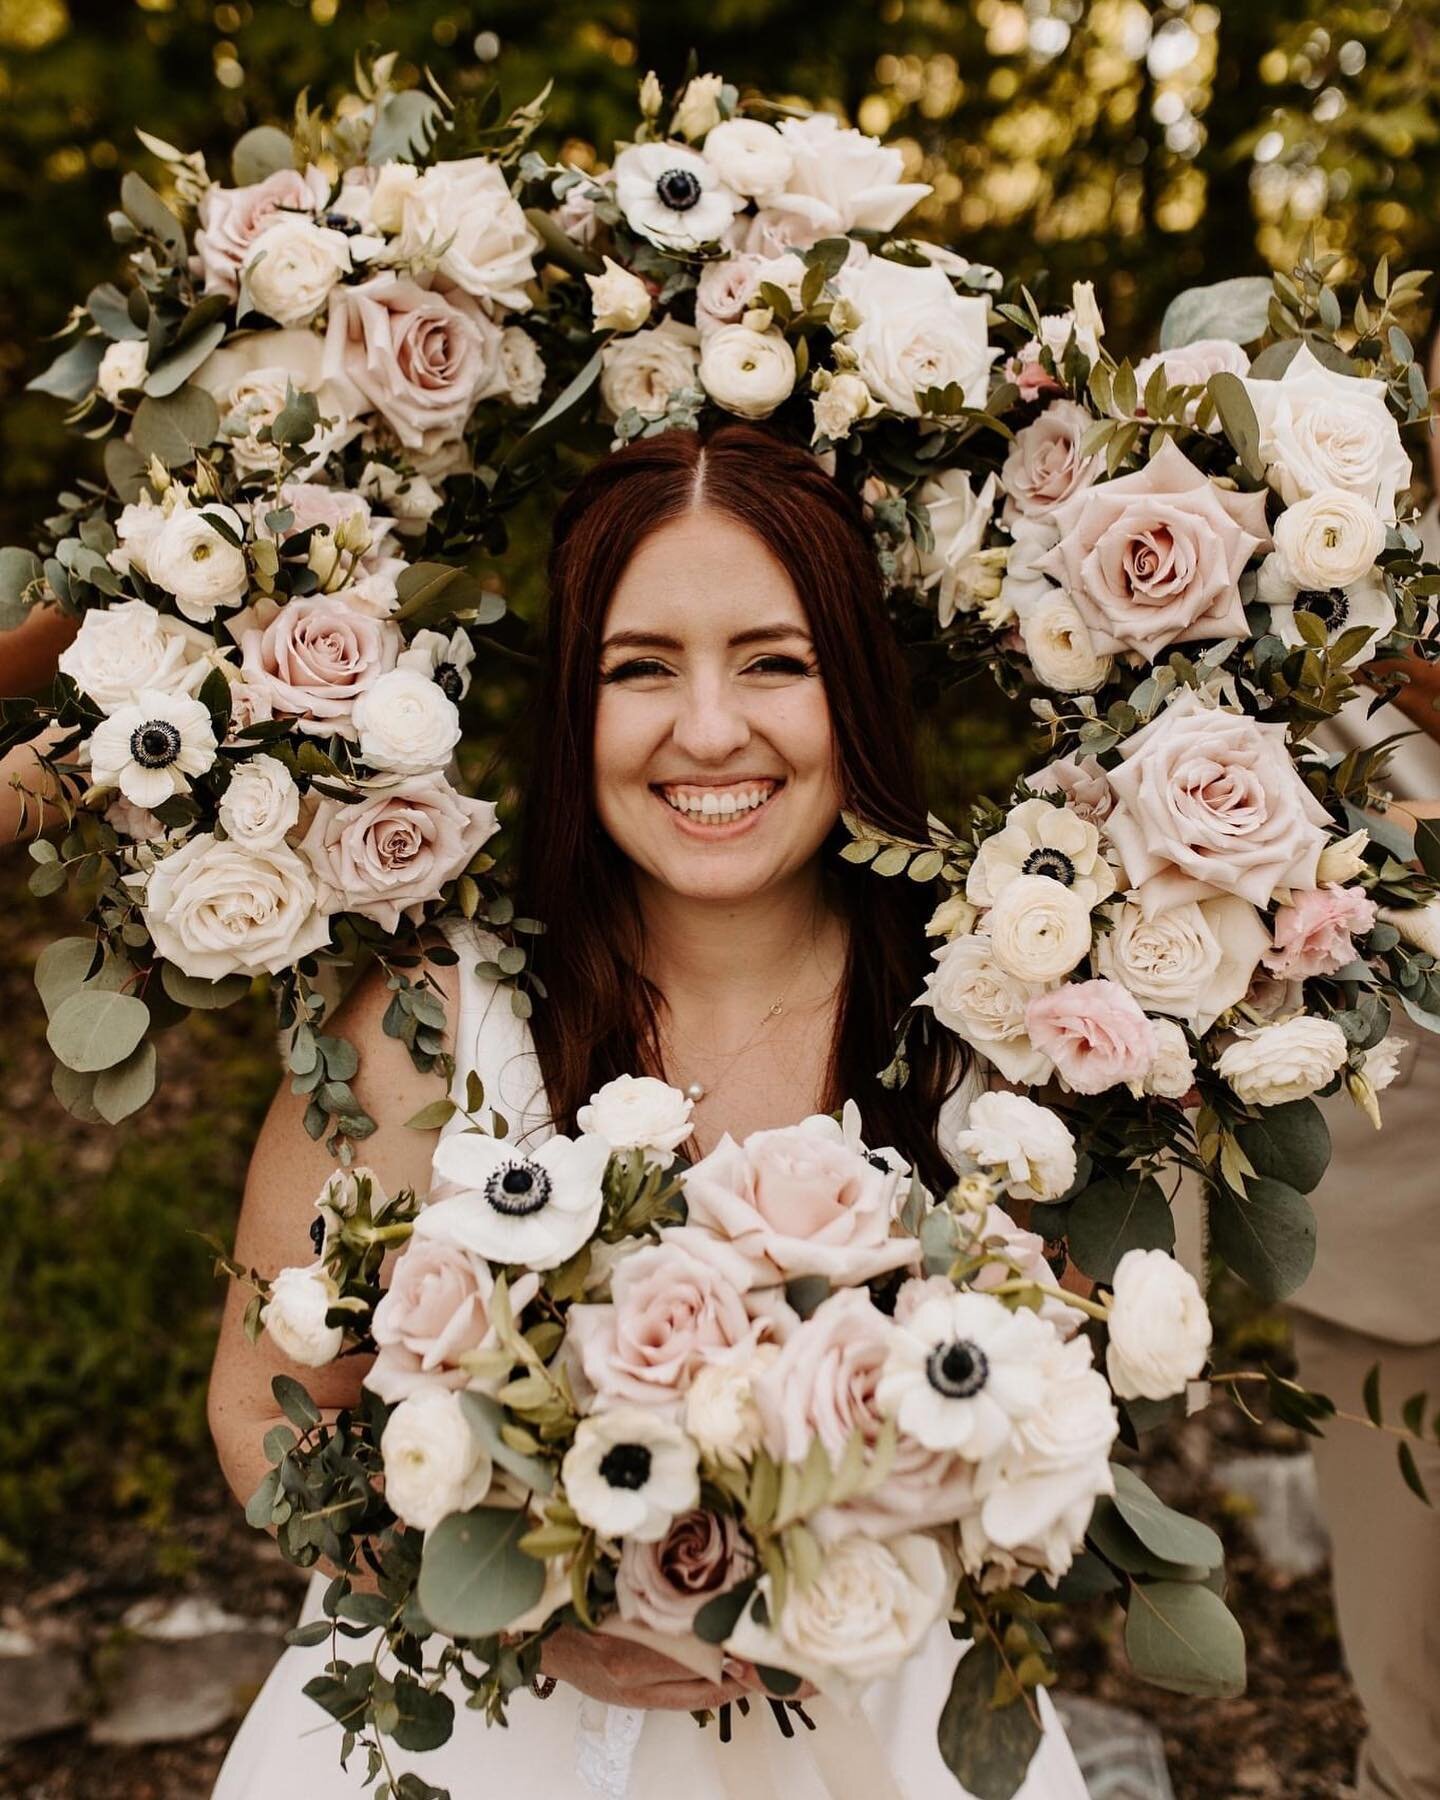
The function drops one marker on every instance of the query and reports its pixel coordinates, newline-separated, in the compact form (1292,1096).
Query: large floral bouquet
(1192,904)
(317,381)
(780,1406)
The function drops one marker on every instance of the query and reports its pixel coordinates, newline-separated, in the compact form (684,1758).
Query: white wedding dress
(567,1747)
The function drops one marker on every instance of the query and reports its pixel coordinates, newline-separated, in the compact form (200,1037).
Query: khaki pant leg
(1385,1555)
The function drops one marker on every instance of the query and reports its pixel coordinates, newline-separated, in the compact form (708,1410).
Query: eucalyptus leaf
(1181,1636)
(1289,1143)
(72,374)
(76,1093)
(176,368)
(1237,415)
(552,422)
(127,1087)
(474,1578)
(1168,1533)
(486,1416)
(198,994)
(1112,1217)
(1237,310)
(19,570)
(559,247)
(94,1029)
(174,427)
(124,468)
(425,1717)
(146,210)
(987,1748)
(1268,1238)
(110,310)
(260,152)
(61,968)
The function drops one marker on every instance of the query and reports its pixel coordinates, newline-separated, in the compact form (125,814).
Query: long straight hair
(601,1016)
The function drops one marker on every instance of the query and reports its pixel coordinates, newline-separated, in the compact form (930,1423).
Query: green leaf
(1237,309)
(987,1748)
(1289,1143)
(1168,1533)
(430,591)
(1237,415)
(174,427)
(127,1087)
(19,570)
(717,1618)
(552,422)
(891,861)
(1109,1535)
(486,1416)
(1427,845)
(76,1093)
(94,1030)
(474,1577)
(1113,1216)
(560,248)
(257,1507)
(110,310)
(1181,1636)
(1411,1474)
(61,968)
(432,1117)
(201,995)
(72,374)
(294,1402)
(1268,1238)
(176,368)
(425,1718)
(147,211)
(260,152)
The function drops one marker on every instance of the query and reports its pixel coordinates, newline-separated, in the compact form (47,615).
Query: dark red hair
(600,1017)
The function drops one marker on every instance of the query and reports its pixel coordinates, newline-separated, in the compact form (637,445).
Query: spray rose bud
(1343,860)
(620,299)
(652,96)
(323,558)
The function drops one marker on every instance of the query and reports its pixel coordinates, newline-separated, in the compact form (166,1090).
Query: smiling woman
(722,681)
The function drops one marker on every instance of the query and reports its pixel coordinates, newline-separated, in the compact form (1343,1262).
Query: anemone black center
(1054,863)
(519,1189)
(155,744)
(317,1235)
(626,1466)
(447,679)
(338,221)
(957,1370)
(679,189)
(1330,606)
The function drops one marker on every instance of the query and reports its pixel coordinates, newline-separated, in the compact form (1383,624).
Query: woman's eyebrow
(768,634)
(657,640)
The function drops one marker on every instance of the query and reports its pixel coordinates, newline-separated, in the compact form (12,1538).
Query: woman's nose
(710,723)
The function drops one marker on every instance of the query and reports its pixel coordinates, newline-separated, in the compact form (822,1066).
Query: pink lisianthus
(1313,934)
(1094,1033)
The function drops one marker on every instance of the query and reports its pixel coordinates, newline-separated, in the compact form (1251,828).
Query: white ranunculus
(123,649)
(841,180)
(673,196)
(1039,929)
(1028,1145)
(957,566)
(620,299)
(971,995)
(1058,643)
(720,1410)
(630,1472)
(122,369)
(747,372)
(1171,1076)
(644,370)
(294,1316)
(962,1370)
(533,1209)
(216,909)
(1041,839)
(916,333)
(1417,925)
(261,803)
(291,268)
(461,219)
(1283,1062)
(1321,429)
(1192,961)
(1366,603)
(152,747)
(190,559)
(1159,1327)
(406,723)
(839,406)
(435,1465)
(750,157)
(865,1614)
(637,1112)
(1327,540)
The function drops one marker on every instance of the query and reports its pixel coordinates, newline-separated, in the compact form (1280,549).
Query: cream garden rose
(956,567)
(644,370)
(261,804)
(294,1315)
(127,647)
(1286,1061)
(916,333)
(840,180)
(1061,649)
(216,909)
(973,996)
(1030,1148)
(1192,961)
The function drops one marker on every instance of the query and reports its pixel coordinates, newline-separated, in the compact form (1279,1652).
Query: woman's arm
(287,1171)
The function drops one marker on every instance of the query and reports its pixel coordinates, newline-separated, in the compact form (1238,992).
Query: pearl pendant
(695,1091)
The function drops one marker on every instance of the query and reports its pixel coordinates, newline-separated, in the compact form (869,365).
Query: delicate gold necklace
(697,1090)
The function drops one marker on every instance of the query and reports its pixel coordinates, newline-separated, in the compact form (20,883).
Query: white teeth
(708,804)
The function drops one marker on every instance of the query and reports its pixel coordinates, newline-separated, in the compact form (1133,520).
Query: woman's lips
(712,810)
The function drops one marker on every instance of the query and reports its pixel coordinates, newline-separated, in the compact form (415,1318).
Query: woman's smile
(717,810)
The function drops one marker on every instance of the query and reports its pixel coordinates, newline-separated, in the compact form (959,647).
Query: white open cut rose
(216,909)
(294,1316)
(460,218)
(123,649)
(916,333)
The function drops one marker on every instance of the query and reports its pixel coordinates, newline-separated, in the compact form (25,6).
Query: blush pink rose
(823,1385)
(392,853)
(232,218)
(315,659)
(1154,558)
(664,1585)
(1094,1033)
(1313,933)
(1045,466)
(1209,802)
(798,1201)
(435,1310)
(1030,375)
(669,1314)
(423,359)
(1083,783)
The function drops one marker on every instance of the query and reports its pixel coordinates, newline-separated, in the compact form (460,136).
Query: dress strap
(495,1044)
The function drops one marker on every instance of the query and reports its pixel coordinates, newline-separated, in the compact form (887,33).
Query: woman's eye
(779,665)
(640,668)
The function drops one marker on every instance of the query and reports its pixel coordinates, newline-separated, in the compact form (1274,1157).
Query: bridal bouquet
(780,1406)
(301,393)
(1190,904)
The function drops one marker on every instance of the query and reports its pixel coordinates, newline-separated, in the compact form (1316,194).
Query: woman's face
(715,767)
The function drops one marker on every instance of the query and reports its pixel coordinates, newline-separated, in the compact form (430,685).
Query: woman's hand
(619,1673)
